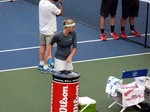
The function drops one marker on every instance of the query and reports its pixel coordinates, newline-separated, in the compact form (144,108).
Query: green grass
(29,90)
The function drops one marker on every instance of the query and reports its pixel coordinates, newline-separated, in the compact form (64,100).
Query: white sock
(41,63)
(45,67)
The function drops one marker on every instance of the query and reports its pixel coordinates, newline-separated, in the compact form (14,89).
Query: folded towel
(112,85)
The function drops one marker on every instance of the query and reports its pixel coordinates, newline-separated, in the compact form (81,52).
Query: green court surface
(28,90)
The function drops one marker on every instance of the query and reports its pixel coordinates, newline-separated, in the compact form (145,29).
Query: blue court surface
(19,44)
(19,34)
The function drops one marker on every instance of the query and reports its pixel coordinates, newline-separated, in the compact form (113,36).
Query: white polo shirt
(47,17)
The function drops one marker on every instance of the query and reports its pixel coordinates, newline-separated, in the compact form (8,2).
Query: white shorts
(62,65)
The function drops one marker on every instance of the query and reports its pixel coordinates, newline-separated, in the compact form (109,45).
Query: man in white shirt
(48,12)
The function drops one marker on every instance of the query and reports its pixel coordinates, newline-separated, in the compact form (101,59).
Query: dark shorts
(108,7)
(130,8)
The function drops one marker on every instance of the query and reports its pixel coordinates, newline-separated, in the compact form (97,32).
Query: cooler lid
(66,76)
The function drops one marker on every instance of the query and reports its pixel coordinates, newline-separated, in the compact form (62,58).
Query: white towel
(112,85)
(140,80)
(132,94)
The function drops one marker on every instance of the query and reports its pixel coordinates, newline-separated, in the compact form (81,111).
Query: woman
(66,47)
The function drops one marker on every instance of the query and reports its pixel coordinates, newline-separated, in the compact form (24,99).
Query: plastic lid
(86,100)
(66,76)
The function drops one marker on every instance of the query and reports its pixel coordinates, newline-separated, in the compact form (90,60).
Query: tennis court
(28,90)
(23,88)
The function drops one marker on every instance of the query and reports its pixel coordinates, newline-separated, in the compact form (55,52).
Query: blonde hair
(68,23)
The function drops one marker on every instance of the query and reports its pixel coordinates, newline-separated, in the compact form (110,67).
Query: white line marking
(20,49)
(7,0)
(7,70)
(114,57)
(80,42)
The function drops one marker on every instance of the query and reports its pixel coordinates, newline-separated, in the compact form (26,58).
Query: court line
(8,0)
(98,59)
(20,49)
(80,42)
(113,57)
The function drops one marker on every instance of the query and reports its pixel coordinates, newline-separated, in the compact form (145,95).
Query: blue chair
(128,75)
(134,73)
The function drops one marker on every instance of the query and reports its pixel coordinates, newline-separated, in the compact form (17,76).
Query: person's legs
(131,21)
(112,12)
(125,15)
(112,22)
(112,26)
(102,22)
(133,31)
(104,12)
(46,54)
(134,10)
(102,26)
(123,23)
(41,56)
(46,68)
(42,51)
